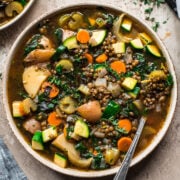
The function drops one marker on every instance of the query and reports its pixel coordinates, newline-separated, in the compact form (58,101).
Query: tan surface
(164,162)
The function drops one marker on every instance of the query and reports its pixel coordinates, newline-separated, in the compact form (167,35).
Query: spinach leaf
(129,107)
(144,67)
(23,2)
(70,129)
(59,34)
(81,147)
(99,162)
(169,80)
(32,44)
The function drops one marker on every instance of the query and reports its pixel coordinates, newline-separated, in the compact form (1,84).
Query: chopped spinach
(99,162)
(129,107)
(59,34)
(169,80)
(59,69)
(70,129)
(32,44)
(23,2)
(58,52)
(144,68)
(81,147)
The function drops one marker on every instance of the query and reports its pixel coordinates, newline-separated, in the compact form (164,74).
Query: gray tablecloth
(9,170)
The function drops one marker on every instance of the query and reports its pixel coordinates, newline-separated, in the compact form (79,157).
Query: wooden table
(164,162)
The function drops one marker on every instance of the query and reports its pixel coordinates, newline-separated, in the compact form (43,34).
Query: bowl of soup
(11,11)
(76,84)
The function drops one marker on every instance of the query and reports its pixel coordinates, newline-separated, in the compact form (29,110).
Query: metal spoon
(121,174)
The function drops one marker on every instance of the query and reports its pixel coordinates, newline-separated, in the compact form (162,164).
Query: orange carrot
(21,109)
(53,120)
(95,152)
(101,58)
(54,90)
(124,143)
(83,36)
(89,57)
(125,124)
(65,132)
(92,21)
(118,66)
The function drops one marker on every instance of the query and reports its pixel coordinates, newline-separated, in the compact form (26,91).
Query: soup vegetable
(85,78)
(10,9)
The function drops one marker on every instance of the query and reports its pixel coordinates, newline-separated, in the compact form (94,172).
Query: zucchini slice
(153,49)
(49,134)
(71,42)
(129,83)
(66,64)
(84,89)
(126,24)
(97,37)
(37,142)
(145,38)
(134,93)
(60,160)
(119,47)
(137,43)
(81,128)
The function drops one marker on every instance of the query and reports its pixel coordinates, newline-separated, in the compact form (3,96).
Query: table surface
(164,162)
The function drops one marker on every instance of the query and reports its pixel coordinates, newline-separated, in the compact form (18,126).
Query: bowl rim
(75,172)
(19,16)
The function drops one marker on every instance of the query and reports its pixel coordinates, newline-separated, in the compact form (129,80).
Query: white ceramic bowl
(76,172)
(15,19)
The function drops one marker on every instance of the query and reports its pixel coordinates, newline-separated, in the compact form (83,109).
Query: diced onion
(100,82)
(114,88)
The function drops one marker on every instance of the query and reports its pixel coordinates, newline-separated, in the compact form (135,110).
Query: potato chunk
(33,77)
(90,111)
(73,155)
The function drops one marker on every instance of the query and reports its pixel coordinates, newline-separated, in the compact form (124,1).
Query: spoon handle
(121,174)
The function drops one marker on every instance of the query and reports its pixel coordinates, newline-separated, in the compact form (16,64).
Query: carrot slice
(65,132)
(92,21)
(125,124)
(89,57)
(54,90)
(124,143)
(53,120)
(95,152)
(101,58)
(21,108)
(83,36)
(118,66)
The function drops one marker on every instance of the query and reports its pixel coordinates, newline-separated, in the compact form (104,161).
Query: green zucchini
(111,110)
(134,93)
(37,142)
(66,64)
(153,49)
(81,128)
(145,38)
(126,24)
(60,160)
(71,42)
(129,83)
(119,47)
(137,43)
(97,37)
(58,52)
(49,134)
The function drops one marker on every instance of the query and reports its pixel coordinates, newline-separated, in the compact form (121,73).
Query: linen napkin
(9,169)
